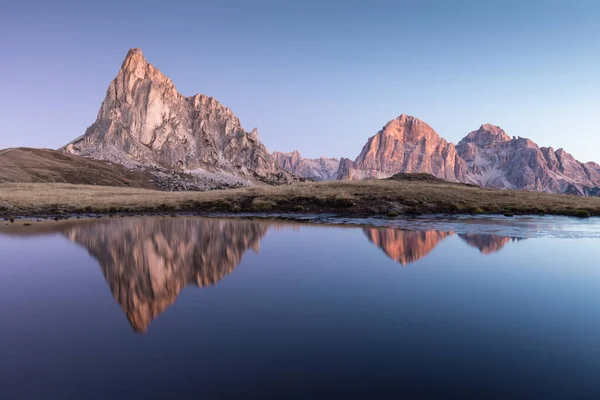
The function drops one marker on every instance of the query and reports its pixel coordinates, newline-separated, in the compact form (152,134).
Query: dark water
(218,309)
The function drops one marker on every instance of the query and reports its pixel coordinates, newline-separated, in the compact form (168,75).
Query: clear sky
(317,76)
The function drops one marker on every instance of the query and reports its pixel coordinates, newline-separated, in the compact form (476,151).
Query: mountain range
(156,137)
(487,157)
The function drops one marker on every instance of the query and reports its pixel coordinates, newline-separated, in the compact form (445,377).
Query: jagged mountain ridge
(318,169)
(145,122)
(496,160)
(487,157)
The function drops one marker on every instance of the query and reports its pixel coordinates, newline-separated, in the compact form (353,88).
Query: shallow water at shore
(162,307)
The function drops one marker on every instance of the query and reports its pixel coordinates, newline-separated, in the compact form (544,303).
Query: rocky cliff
(405,144)
(318,169)
(144,121)
(487,157)
(496,160)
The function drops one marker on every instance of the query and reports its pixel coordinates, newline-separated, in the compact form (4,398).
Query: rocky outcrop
(405,144)
(496,160)
(144,121)
(319,169)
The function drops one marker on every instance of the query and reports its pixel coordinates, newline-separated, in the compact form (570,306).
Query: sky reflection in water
(293,310)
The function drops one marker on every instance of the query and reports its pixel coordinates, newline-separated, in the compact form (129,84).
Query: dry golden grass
(44,165)
(385,197)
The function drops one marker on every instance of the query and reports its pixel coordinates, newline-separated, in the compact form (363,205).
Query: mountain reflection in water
(406,246)
(148,261)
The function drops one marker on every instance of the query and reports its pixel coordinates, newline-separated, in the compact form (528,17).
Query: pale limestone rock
(318,169)
(495,160)
(405,144)
(145,121)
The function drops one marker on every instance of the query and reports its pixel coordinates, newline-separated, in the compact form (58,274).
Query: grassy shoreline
(380,197)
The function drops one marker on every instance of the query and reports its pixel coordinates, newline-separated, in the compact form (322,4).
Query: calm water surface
(214,308)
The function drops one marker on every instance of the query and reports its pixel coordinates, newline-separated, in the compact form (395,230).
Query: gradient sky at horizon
(317,76)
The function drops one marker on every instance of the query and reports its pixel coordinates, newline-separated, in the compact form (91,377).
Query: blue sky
(317,76)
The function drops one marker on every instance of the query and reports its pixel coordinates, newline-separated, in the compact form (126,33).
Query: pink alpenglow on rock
(145,121)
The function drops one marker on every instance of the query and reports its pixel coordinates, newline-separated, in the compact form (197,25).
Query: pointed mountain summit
(487,133)
(405,144)
(144,121)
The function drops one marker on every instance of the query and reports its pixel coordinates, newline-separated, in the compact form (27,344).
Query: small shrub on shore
(538,211)
(12,219)
(582,214)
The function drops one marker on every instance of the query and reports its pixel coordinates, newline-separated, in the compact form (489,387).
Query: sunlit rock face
(147,262)
(145,121)
(405,144)
(404,246)
(318,169)
(487,157)
(496,160)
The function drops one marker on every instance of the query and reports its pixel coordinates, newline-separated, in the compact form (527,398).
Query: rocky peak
(145,122)
(486,134)
(405,144)
(408,128)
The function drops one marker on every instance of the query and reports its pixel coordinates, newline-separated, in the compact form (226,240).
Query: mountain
(487,157)
(319,169)
(405,144)
(496,160)
(144,121)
